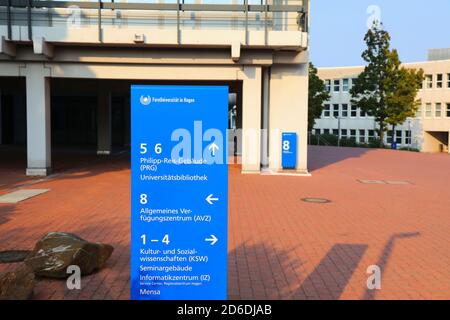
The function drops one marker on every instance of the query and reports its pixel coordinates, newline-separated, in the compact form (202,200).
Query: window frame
(363,136)
(328,85)
(326,108)
(399,137)
(438,108)
(428,111)
(429,81)
(345,85)
(338,84)
(408,137)
(439,83)
(355,110)
(344,110)
(336,105)
(419,111)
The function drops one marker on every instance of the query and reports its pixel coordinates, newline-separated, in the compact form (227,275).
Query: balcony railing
(248,15)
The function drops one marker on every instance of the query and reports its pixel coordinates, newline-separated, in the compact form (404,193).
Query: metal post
(266,7)
(100,20)
(246,21)
(410,135)
(30,31)
(339,131)
(178,21)
(8,19)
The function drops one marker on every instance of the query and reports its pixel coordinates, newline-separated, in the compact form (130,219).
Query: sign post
(289,150)
(179,196)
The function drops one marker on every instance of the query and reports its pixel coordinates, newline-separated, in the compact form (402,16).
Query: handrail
(263,8)
(155,6)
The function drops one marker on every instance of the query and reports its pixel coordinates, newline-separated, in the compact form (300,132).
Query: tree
(401,99)
(317,95)
(385,90)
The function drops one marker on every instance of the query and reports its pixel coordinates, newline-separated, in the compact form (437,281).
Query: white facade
(428,131)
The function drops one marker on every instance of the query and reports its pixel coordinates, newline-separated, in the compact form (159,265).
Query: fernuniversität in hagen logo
(145,100)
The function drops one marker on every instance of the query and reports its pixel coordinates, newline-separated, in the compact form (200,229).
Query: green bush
(332,140)
(349,142)
(324,140)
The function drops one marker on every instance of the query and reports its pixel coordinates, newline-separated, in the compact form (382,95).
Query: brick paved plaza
(279,246)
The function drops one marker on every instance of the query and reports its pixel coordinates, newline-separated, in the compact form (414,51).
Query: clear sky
(338,28)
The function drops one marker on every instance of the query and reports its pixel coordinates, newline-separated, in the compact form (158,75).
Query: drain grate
(13,256)
(316,200)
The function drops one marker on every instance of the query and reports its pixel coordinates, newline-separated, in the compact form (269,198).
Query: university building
(66,69)
(428,131)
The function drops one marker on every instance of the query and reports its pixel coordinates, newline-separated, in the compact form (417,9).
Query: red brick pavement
(279,246)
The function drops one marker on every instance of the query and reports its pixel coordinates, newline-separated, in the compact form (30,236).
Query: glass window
(362,135)
(326,110)
(326,131)
(398,136)
(389,136)
(448,80)
(428,110)
(343,133)
(336,110)
(438,110)
(353,111)
(345,86)
(419,112)
(362,113)
(345,110)
(353,134)
(448,110)
(439,79)
(317,131)
(371,135)
(336,132)
(328,85)
(429,81)
(337,85)
(408,137)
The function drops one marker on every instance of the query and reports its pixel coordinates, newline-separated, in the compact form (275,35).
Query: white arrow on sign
(213,147)
(210,199)
(213,239)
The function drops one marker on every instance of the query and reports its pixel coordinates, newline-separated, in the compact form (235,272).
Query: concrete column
(448,141)
(288,112)
(38,121)
(127,134)
(265,118)
(251,120)
(103,121)
(1,128)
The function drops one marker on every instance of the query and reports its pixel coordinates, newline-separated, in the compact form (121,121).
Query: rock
(56,251)
(17,285)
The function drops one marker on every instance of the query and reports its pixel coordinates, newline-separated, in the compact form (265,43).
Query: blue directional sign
(289,150)
(179,193)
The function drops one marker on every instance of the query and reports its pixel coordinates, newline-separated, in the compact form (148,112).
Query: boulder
(56,251)
(17,285)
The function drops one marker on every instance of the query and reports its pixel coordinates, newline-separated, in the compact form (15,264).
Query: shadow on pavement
(321,156)
(385,255)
